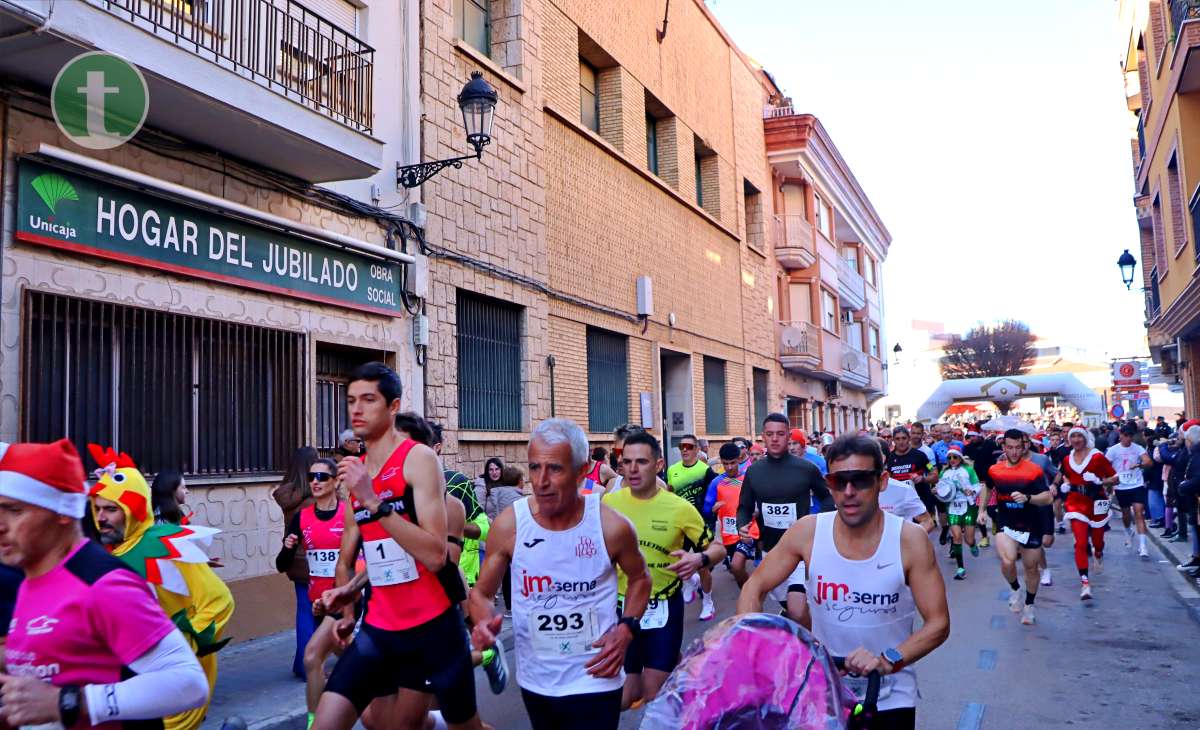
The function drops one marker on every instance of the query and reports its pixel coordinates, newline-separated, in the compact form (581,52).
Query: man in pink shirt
(88,645)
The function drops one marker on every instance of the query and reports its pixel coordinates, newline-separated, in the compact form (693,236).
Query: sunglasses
(686,447)
(320,476)
(861,479)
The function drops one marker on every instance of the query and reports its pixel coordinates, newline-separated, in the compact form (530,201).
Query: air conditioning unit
(833,389)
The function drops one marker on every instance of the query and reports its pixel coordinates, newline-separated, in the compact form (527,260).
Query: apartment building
(196,296)
(830,244)
(611,261)
(1161,62)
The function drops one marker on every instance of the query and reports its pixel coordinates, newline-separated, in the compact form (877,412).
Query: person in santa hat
(82,619)
(1084,477)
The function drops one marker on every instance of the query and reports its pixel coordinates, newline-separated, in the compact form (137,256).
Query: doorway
(675,373)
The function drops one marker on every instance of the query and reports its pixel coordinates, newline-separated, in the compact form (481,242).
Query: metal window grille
(489,364)
(200,395)
(652,144)
(608,380)
(760,398)
(714,395)
(589,96)
(334,365)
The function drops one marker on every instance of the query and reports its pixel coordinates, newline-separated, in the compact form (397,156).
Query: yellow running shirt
(664,523)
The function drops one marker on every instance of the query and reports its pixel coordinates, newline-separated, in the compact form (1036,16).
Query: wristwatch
(69,705)
(385,509)
(634,624)
(705,561)
(895,658)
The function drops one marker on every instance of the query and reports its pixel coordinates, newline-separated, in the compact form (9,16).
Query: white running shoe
(1097,563)
(707,608)
(1085,592)
(1046,580)
(690,586)
(1014,601)
(1027,616)
(1142,552)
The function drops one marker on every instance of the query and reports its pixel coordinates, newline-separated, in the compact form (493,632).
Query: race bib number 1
(387,563)
(563,633)
(322,563)
(779,516)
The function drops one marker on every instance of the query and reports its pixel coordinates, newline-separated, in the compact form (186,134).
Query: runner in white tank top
(869,574)
(563,549)
(564,598)
(863,603)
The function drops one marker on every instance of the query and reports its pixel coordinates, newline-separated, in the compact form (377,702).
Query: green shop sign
(73,212)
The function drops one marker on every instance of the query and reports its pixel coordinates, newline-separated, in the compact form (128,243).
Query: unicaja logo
(53,189)
(99,101)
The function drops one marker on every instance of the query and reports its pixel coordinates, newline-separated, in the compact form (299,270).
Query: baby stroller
(759,672)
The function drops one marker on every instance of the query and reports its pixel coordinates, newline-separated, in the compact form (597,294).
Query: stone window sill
(479,57)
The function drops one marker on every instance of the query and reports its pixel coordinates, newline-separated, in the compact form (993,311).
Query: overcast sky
(993,140)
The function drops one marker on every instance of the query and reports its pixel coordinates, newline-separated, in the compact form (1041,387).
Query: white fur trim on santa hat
(15,485)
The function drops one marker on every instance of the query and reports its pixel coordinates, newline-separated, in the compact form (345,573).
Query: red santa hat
(45,475)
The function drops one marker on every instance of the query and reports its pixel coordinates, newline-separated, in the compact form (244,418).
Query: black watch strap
(69,704)
(384,509)
(705,561)
(634,624)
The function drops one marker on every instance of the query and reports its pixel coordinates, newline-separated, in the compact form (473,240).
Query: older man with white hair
(562,547)
(1186,503)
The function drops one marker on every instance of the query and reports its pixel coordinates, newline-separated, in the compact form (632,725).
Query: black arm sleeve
(286,555)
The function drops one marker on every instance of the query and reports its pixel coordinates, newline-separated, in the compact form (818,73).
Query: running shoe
(985,543)
(1128,537)
(1193,563)
(1097,562)
(944,538)
(690,586)
(1014,601)
(975,551)
(960,574)
(1085,591)
(1046,580)
(495,668)
(707,609)
(1142,552)
(1061,529)
(1027,616)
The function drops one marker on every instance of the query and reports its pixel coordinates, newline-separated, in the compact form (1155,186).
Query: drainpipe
(550,364)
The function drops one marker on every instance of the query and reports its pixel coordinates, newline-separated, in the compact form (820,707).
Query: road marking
(997,622)
(987,659)
(971,717)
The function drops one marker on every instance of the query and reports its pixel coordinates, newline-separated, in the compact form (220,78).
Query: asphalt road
(1123,660)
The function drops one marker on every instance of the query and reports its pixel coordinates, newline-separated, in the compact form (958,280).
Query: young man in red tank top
(413,640)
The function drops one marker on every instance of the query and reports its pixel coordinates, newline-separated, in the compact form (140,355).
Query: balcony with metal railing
(799,345)
(795,245)
(268,81)
(852,287)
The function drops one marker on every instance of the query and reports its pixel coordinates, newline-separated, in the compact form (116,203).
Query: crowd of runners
(409,572)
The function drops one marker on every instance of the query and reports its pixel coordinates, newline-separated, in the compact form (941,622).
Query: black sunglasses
(320,476)
(861,479)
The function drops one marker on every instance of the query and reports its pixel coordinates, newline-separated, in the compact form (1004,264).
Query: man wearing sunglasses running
(868,574)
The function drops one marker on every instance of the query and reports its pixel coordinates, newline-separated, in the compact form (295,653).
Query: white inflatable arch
(1009,389)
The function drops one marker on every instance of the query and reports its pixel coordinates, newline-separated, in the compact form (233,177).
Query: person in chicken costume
(170,557)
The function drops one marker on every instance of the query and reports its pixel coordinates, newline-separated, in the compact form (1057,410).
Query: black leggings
(904,718)
(506,587)
(594,711)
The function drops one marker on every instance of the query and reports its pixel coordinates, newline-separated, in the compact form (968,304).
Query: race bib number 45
(388,564)
(563,633)
(779,516)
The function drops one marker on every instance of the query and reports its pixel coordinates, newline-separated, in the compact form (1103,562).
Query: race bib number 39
(779,516)
(656,614)
(387,563)
(322,563)
(729,526)
(563,633)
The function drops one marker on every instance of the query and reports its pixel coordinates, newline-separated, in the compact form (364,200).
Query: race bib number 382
(779,516)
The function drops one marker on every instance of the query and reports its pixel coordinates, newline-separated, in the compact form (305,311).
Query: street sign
(1118,411)
(1126,370)
(1143,403)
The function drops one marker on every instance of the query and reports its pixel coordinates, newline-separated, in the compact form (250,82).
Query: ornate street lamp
(1127,262)
(478,104)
